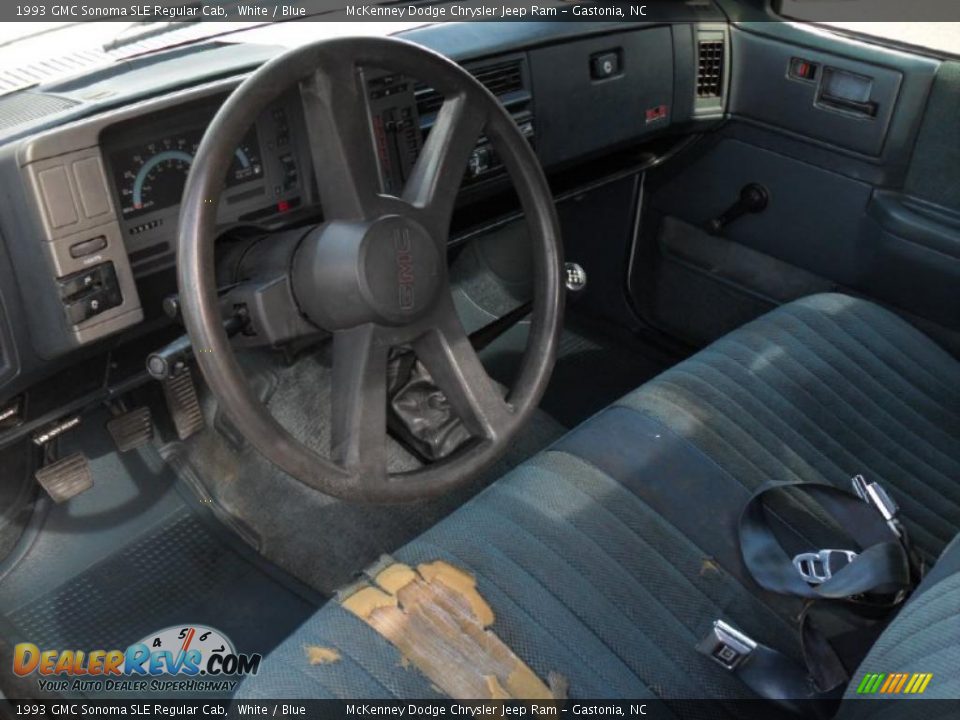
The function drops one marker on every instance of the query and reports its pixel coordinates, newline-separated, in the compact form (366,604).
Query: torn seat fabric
(608,557)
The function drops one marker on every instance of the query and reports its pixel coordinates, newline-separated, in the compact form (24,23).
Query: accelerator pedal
(66,477)
(132,429)
(183,404)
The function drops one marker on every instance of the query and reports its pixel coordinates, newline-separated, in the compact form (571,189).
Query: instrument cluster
(150,176)
(148,160)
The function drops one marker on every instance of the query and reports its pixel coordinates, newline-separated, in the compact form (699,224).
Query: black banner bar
(261,11)
(445,709)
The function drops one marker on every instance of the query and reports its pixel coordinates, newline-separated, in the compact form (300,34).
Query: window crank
(753,199)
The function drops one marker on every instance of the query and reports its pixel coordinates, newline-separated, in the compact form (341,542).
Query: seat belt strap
(876,570)
(767,672)
(825,667)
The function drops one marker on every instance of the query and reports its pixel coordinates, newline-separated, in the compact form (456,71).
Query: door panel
(813,215)
(835,99)
(933,174)
(860,159)
(914,262)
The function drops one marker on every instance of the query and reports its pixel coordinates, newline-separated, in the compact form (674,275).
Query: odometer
(151,176)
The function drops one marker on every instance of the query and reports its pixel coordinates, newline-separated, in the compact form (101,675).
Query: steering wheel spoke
(341,143)
(358,435)
(446,352)
(437,175)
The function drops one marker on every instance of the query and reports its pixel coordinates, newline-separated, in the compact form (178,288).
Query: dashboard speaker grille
(27,107)
(709,68)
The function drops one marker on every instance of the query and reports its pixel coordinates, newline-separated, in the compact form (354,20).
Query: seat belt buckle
(726,645)
(818,567)
(874,494)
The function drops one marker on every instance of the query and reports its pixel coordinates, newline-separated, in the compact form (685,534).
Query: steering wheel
(374,273)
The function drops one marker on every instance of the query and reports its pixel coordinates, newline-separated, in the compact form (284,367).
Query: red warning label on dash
(659,112)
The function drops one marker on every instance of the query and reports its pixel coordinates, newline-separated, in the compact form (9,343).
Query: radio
(401,115)
(483,160)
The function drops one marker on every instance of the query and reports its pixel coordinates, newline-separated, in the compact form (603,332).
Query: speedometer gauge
(151,176)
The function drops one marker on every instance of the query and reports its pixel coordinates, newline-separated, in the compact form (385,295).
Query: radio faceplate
(508,79)
(395,126)
(484,162)
(402,112)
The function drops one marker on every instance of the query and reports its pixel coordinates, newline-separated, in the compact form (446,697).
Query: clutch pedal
(131,430)
(183,404)
(66,477)
(46,435)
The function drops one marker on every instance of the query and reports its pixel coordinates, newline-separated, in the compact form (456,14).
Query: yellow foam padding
(437,619)
(497,691)
(395,577)
(363,602)
(317,655)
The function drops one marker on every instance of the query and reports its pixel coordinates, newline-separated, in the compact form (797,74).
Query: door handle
(867,108)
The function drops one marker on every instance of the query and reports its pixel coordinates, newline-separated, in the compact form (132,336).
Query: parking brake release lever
(753,199)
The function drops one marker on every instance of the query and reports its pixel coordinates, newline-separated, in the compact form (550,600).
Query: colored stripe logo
(894,683)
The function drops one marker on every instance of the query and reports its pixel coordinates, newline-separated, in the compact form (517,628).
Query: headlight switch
(89,292)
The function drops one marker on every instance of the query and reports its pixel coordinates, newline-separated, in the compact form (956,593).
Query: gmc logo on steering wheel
(405,278)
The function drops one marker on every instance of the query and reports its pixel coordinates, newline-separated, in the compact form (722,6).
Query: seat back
(923,639)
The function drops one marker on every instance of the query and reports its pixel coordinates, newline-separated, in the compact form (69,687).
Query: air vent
(710,69)
(428,100)
(500,79)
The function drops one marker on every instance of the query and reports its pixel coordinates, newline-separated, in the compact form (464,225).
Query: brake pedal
(183,404)
(66,478)
(132,429)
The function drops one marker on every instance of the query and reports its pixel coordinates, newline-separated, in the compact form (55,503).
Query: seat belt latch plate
(818,567)
(874,494)
(726,645)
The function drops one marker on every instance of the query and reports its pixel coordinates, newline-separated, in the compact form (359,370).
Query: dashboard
(91,245)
